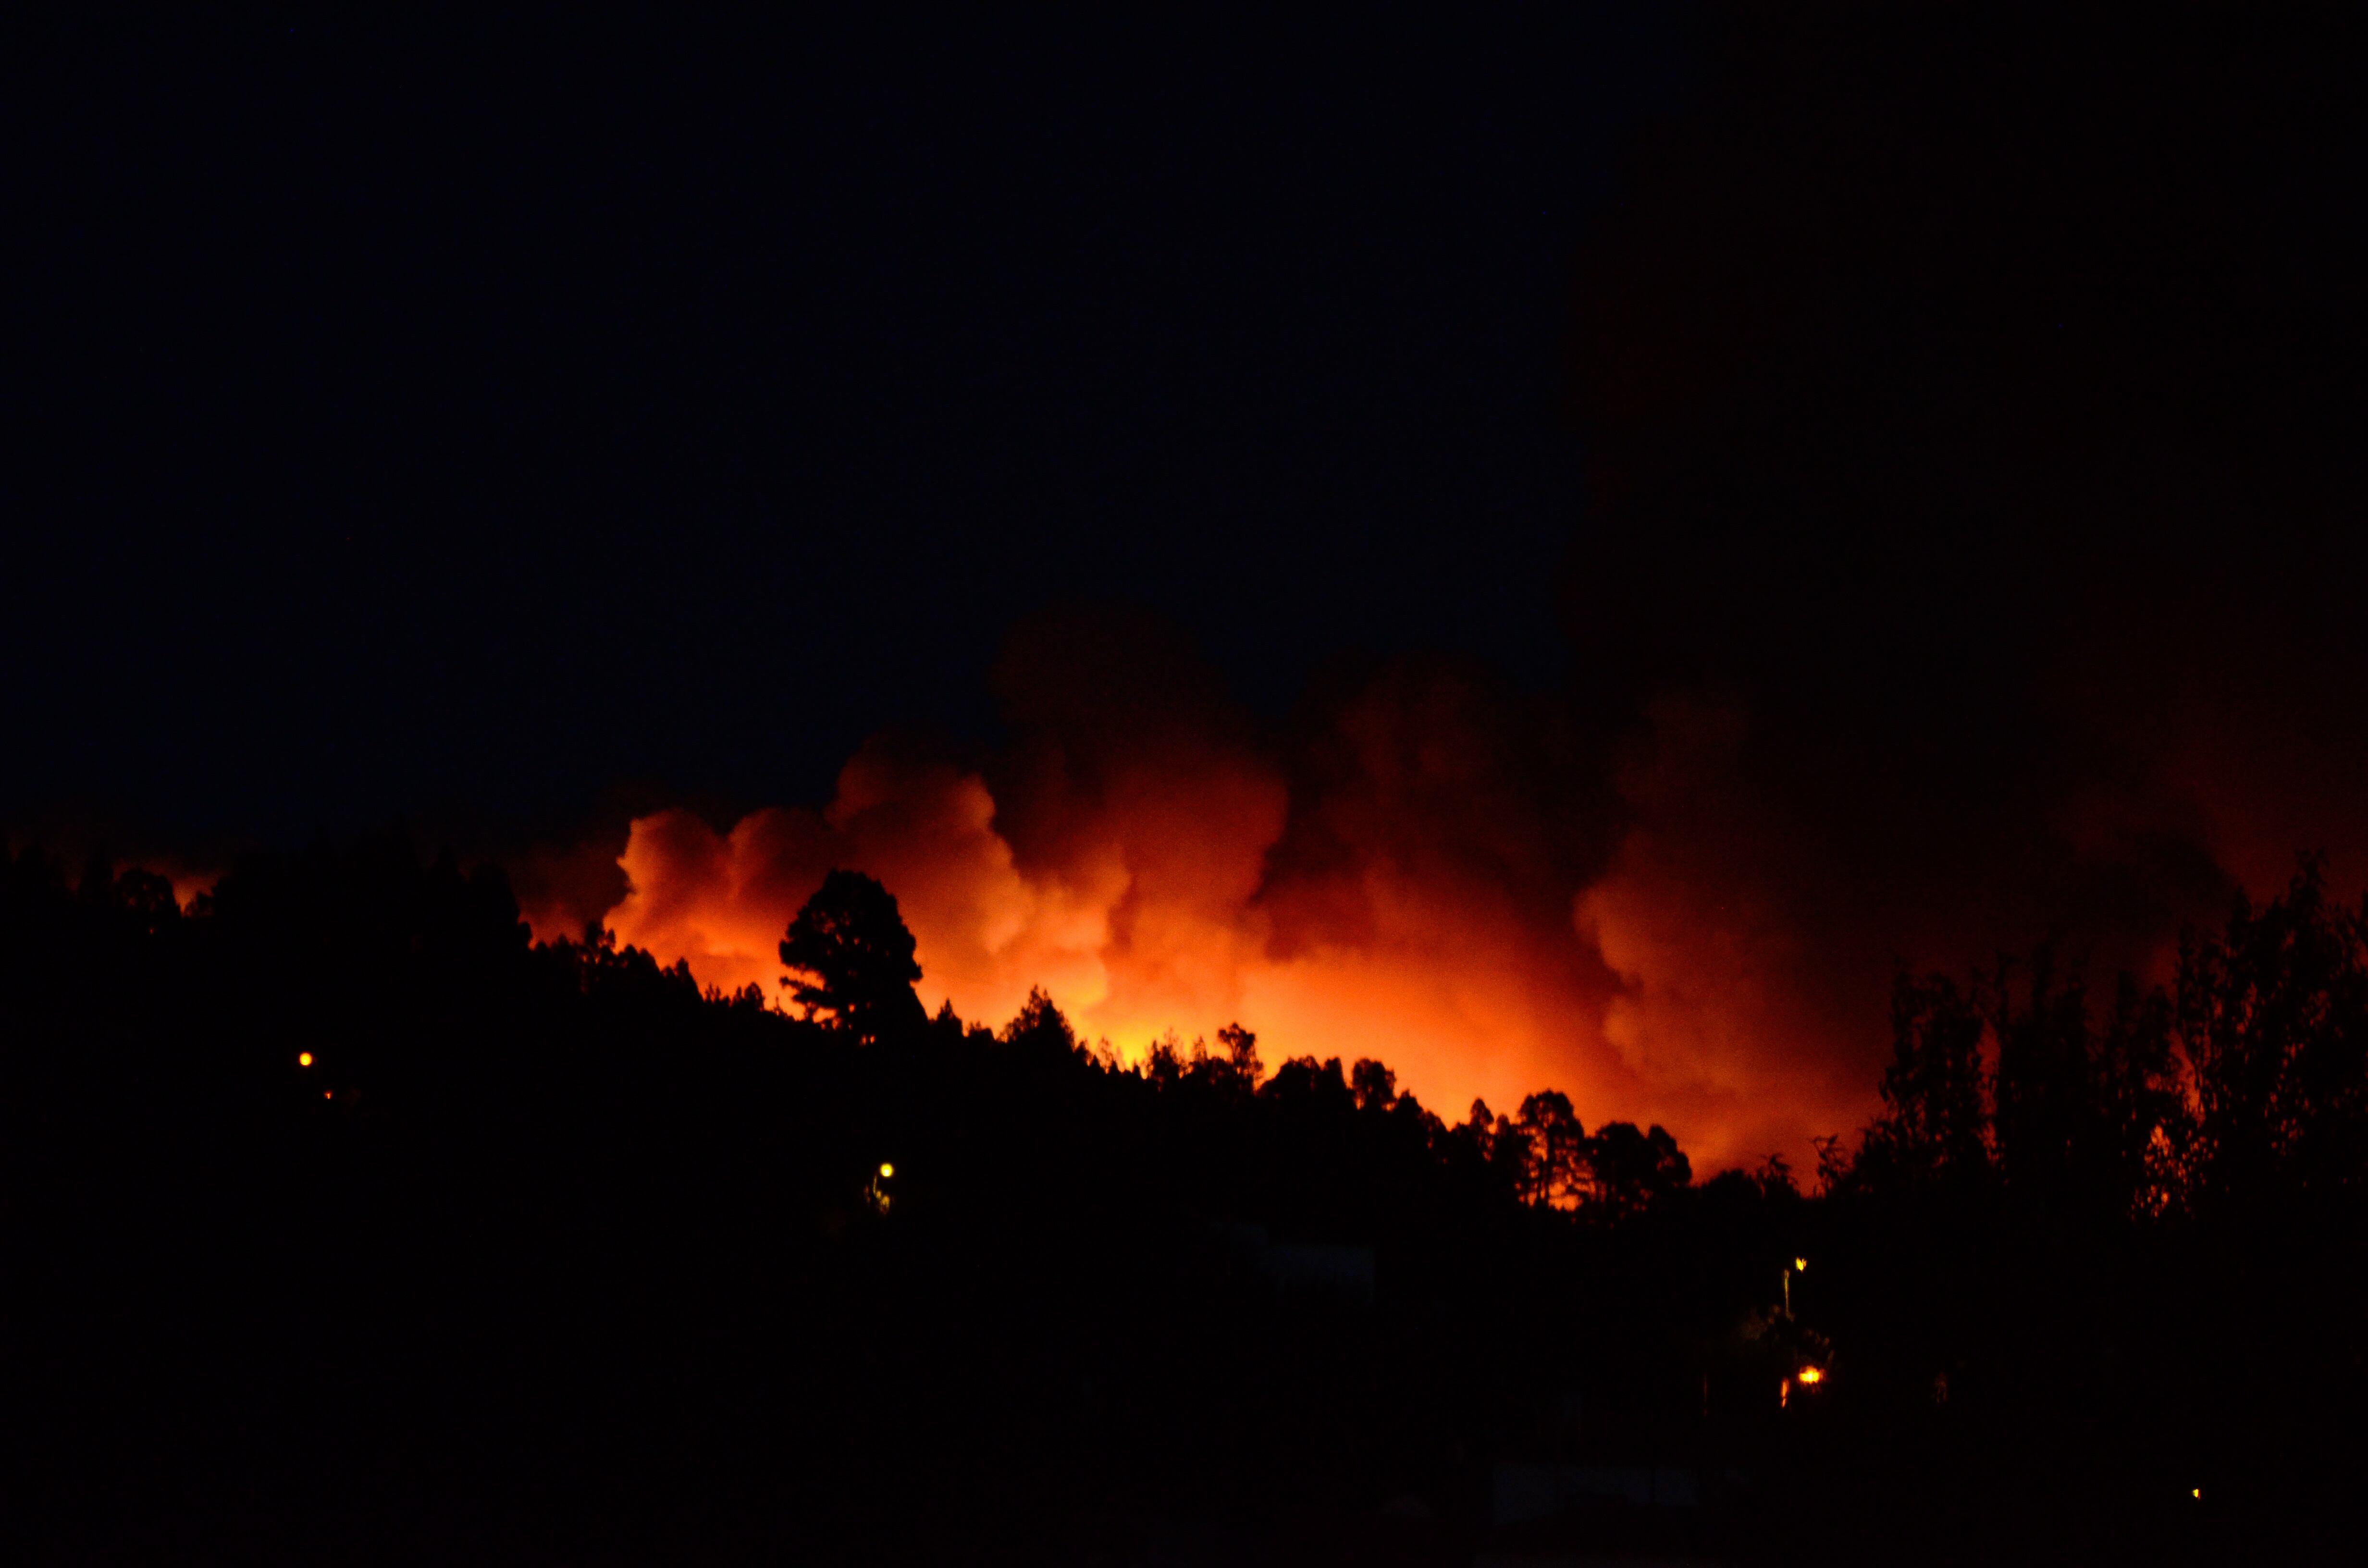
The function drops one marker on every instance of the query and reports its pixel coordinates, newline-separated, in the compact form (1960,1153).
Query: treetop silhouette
(852,941)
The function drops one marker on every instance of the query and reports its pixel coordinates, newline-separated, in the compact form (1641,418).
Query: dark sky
(1559,551)
(478,421)
(405,419)
(1977,401)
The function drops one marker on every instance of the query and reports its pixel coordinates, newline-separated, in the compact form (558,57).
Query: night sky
(1627,525)
(416,420)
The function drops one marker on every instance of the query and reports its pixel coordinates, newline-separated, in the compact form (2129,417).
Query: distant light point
(303,1058)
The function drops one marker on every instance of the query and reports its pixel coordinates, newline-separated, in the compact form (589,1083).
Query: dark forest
(348,1224)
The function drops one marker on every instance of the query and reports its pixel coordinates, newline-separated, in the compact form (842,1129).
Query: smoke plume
(1971,558)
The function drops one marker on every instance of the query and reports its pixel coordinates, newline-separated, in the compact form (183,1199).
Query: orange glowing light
(1800,1266)
(303,1058)
(328,1094)
(2196,1493)
(886,1169)
(1811,1375)
(1144,896)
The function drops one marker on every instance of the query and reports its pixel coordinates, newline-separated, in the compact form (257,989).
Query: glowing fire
(1422,876)
(1407,913)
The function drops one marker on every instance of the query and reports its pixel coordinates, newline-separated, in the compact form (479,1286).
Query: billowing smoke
(1695,925)
(1422,869)
(1972,557)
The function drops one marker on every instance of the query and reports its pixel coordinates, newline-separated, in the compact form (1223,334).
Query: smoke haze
(1420,868)
(1970,557)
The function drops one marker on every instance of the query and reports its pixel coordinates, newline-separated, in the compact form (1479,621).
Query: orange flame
(1407,911)
(1432,872)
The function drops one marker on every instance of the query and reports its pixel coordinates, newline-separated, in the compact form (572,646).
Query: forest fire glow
(1428,872)
(1422,900)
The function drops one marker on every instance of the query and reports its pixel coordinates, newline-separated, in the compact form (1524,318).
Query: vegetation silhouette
(345,1220)
(852,939)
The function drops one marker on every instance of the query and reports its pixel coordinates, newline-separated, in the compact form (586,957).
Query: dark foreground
(546,1258)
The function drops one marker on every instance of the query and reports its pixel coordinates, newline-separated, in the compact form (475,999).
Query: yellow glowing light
(1800,1266)
(1811,1375)
(303,1058)
(886,1169)
(2195,1492)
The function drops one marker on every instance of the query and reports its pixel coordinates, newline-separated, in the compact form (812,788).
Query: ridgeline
(347,1222)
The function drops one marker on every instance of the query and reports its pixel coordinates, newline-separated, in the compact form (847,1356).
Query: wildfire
(1415,908)
(1422,876)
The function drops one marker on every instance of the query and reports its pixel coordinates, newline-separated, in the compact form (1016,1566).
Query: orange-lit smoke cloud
(1938,591)
(1695,924)
(1424,876)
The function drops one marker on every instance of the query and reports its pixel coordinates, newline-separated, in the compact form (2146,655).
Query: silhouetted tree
(1556,1170)
(1233,1072)
(1633,1170)
(2045,1118)
(1163,1065)
(2272,1012)
(1303,1082)
(1833,1162)
(1040,1030)
(1469,1151)
(1935,1121)
(851,940)
(1375,1087)
(1512,1154)
(1241,1048)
